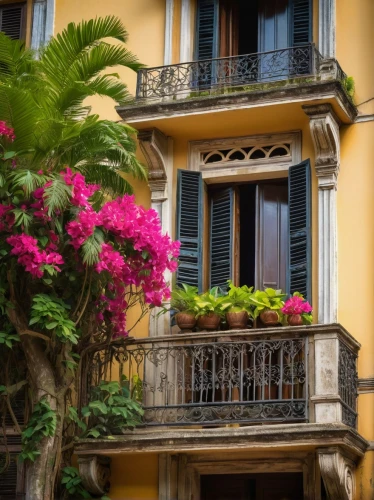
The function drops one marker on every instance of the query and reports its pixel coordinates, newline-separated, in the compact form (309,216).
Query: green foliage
(349,85)
(43,98)
(269,299)
(72,482)
(9,338)
(110,410)
(209,302)
(42,423)
(183,299)
(237,299)
(51,313)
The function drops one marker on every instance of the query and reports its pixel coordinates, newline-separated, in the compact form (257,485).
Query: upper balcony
(292,74)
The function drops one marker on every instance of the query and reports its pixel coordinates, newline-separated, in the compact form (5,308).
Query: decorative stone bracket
(324,127)
(95,472)
(337,472)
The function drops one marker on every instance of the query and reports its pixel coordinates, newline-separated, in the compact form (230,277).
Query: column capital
(324,127)
(154,145)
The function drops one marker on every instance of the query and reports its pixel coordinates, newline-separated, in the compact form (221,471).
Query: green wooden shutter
(190,227)
(300,240)
(12,20)
(221,237)
(206,46)
(301,22)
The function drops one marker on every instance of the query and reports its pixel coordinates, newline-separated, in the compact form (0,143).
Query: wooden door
(274,25)
(271,236)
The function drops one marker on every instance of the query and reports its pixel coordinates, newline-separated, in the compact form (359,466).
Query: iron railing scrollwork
(218,381)
(227,72)
(348,382)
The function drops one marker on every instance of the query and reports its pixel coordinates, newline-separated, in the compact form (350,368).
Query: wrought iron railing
(348,382)
(214,380)
(227,72)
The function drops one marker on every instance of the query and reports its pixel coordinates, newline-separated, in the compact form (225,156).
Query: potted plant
(297,310)
(183,301)
(268,305)
(237,306)
(208,309)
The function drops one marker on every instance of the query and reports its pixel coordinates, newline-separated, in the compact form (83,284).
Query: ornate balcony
(274,375)
(213,76)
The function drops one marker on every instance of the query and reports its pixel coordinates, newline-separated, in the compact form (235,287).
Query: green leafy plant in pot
(183,301)
(268,305)
(237,306)
(208,309)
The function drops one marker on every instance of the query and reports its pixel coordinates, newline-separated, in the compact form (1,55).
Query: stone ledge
(302,92)
(254,438)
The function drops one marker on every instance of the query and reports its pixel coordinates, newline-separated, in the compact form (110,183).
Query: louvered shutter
(300,230)
(12,19)
(301,22)
(8,479)
(189,227)
(221,237)
(206,30)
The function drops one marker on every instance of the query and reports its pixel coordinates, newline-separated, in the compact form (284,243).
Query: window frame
(23,6)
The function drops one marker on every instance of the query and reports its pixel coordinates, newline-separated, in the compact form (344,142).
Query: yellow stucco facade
(136,474)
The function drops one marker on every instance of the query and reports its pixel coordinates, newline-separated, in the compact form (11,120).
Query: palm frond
(63,50)
(110,180)
(57,195)
(27,180)
(92,247)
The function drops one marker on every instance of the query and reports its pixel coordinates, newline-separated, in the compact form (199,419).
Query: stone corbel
(154,145)
(95,472)
(324,127)
(337,472)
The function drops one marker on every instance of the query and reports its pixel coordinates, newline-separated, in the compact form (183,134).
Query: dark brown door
(284,486)
(271,236)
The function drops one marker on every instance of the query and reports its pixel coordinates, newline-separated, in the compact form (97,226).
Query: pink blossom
(7,131)
(296,305)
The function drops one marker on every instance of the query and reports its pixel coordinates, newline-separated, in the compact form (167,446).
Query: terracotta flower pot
(269,318)
(185,321)
(295,320)
(209,321)
(237,320)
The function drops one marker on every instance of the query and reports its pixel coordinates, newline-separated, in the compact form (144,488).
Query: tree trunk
(41,475)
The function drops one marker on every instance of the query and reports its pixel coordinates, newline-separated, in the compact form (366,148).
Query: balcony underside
(305,93)
(254,438)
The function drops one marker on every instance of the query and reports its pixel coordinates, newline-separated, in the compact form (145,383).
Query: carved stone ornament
(153,144)
(324,127)
(337,472)
(95,471)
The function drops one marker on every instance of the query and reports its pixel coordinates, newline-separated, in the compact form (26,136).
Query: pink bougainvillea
(296,305)
(134,252)
(6,131)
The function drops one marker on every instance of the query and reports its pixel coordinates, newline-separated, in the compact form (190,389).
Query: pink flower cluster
(79,189)
(31,257)
(135,251)
(7,131)
(296,305)
(141,257)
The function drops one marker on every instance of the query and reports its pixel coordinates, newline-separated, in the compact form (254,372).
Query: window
(256,233)
(13,20)
(235,27)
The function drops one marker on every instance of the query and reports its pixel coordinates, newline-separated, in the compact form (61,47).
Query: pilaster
(158,152)
(324,127)
(327,28)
